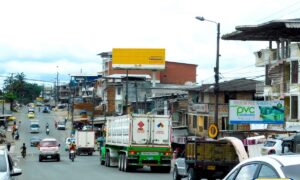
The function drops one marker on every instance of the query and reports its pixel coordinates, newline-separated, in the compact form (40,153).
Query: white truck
(85,142)
(134,141)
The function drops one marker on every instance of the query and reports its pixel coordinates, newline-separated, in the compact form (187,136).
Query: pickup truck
(208,158)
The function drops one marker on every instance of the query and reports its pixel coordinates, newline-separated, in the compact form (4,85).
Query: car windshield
(269,143)
(35,138)
(3,166)
(292,171)
(48,143)
(70,140)
(61,123)
(34,126)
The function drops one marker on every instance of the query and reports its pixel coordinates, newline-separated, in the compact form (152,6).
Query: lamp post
(216,69)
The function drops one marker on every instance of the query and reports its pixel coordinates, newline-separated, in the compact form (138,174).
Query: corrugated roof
(269,31)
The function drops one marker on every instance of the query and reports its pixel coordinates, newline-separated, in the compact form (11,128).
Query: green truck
(134,141)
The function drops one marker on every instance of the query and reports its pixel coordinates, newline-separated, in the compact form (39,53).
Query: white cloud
(70,33)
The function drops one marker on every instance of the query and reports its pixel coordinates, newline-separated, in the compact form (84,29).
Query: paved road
(84,167)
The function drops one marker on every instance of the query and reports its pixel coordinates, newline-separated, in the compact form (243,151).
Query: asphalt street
(84,167)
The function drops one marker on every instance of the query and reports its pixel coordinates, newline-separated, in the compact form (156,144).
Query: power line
(281,10)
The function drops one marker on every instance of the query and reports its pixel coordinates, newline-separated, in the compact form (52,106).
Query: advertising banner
(256,112)
(138,58)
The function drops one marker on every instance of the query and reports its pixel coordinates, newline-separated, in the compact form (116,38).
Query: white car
(34,127)
(7,169)
(270,166)
(49,149)
(272,146)
(61,125)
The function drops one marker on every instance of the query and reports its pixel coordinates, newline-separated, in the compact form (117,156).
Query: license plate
(212,168)
(49,157)
(150,153)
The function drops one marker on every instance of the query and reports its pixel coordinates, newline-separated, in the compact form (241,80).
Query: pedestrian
(13,134)
(8,146)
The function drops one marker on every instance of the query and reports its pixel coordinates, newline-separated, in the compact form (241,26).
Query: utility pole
(57,87)
(93,112)
(216,69)
(217,76)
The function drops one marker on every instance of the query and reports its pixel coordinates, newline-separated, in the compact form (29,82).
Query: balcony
(264,56)
(295,50)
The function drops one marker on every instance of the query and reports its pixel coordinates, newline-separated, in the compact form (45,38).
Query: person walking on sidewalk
(8,146)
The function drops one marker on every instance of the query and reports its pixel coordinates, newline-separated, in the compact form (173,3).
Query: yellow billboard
(138,58)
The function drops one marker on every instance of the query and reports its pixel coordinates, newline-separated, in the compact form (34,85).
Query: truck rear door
(90,139)
(140,130)
(160,130)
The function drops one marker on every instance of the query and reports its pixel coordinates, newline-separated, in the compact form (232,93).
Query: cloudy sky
(43,37)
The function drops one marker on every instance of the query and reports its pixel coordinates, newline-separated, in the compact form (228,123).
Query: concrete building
(281,62)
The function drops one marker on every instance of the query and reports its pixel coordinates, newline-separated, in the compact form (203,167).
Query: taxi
(11,118)
(30,115)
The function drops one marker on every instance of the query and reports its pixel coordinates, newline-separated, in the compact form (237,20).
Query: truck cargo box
(137,129)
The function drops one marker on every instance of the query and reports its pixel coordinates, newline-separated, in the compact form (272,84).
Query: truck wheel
(40,159)
(126,166)
(154,169)
(176,176)
(192,174)
(58,158)
(101,161)
(166,169)
(120,162)
(107,159)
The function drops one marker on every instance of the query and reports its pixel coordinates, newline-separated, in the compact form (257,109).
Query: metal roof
(268,31)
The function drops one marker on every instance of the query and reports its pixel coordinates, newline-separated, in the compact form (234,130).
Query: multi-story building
(281,63)
(201,109)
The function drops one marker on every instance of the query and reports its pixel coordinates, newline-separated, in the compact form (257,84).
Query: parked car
(49,149)
(61,125)
(30,115)
(270,166)
(272,146)
(34,141)
(7,169)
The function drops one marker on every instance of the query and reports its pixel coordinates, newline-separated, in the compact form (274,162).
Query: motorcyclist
(47,130)
(47,126)
(23,150)
(72,147)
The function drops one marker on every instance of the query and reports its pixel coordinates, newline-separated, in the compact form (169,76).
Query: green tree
(16,88)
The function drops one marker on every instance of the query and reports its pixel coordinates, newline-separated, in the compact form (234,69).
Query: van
(34,127)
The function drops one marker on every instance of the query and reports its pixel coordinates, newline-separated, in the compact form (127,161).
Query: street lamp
(216,69)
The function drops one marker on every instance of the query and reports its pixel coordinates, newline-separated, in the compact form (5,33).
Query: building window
(225,124)
(267,78)
(205,122)
(294,72)
(118,91)
(294,107)
(194,121)
(190,120)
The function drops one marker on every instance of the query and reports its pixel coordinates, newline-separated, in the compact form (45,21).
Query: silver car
(7,169)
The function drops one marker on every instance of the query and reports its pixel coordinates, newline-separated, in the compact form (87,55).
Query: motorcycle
(23,154)
(47,131)
(72,155)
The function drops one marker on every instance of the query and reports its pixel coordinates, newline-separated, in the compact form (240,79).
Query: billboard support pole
(126,97)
